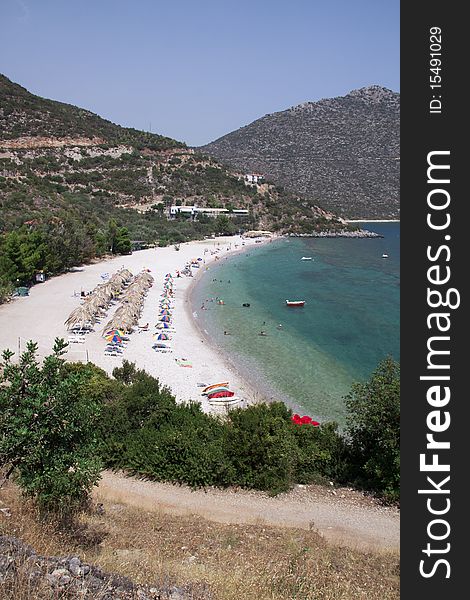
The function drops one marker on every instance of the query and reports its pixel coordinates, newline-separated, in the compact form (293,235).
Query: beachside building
(254,178)
(193,211)
(257,234)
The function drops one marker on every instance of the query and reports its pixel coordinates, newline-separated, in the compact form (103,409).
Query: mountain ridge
(61,148)
(342,153)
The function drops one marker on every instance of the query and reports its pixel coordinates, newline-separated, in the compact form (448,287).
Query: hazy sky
(197,69)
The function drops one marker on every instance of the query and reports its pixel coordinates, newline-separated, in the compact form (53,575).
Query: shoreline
(259,390)
(372,220)
(58,296)
(255,393)
(241,381)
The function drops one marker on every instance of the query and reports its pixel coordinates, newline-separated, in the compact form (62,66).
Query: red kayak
(226,394)
(305,420)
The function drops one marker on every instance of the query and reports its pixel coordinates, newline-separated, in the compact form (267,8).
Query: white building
(254,178)
(193,211)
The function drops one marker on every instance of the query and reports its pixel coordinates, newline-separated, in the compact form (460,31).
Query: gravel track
(341,515)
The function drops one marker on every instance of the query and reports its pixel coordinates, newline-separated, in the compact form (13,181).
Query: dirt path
(340,515)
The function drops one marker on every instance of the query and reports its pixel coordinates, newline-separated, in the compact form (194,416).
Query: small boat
(295,302)
(213,386)
(224,401)
(384,255)
(306,258)
(222,388)
(246,304)
(224,394)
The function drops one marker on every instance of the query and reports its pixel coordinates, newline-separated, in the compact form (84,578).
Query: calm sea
(309,356)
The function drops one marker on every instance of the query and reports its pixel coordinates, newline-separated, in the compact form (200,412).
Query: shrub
(47,430)
(144,431)
(321,453)
(261,446)
(374,433)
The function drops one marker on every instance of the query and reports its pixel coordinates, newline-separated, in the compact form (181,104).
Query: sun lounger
(113,350)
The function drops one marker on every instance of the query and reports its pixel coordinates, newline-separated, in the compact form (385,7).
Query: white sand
(40,317)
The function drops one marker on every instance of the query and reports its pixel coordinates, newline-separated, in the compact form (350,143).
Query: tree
(224,225)
(159,207)
(118,238)
(47,429)
(111,234)
(374,433)
(6,288)
(123,243)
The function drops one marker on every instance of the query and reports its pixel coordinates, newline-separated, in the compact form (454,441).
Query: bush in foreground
(144,431)
(52,439)
(48,430)
(374,433)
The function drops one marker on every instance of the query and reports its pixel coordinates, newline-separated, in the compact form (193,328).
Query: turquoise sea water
(350,320)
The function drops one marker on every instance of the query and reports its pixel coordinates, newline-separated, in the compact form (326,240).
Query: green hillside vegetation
(132,422)
(66,175)
(24,114)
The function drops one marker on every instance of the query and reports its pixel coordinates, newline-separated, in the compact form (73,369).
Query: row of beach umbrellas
(96,304)
(132,300)
(164,324)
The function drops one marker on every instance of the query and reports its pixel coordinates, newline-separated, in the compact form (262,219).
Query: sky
(195,70)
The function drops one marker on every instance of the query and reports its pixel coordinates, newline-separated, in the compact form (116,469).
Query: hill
(57,156)
(74,186)
(343,153)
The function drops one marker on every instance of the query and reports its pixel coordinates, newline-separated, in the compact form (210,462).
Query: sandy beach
(40,317)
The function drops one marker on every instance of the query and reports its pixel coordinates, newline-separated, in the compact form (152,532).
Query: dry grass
(232,561)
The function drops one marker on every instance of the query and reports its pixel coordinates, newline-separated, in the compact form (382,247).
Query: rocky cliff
(342,153)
